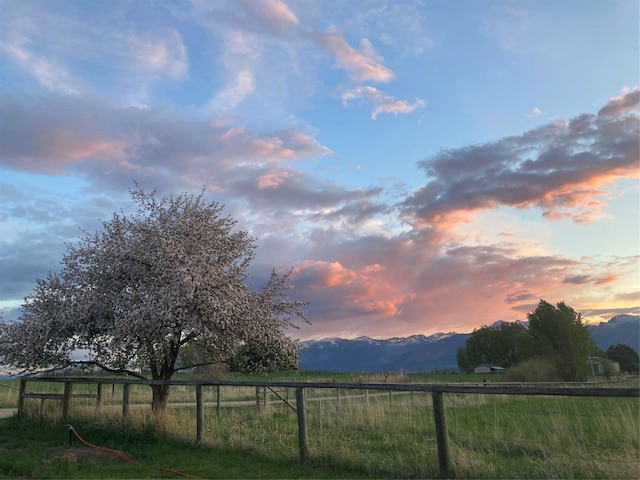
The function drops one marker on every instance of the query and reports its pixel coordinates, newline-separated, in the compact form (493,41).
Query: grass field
(491,436)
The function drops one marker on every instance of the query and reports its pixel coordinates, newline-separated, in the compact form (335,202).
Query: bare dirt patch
(75,455)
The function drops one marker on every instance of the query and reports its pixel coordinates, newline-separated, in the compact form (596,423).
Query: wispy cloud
(381,103)
(535,112)
(240,60)
(364,64)
(43,43)
(266,18)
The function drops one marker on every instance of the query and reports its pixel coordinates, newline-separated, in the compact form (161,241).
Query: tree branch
(109,369)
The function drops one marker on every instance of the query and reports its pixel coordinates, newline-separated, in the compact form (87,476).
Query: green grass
(35,449)
(491,436)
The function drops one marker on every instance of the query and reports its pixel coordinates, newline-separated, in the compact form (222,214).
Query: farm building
(488,368)
(598,369)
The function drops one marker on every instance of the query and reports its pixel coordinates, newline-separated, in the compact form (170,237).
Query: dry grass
(491,436)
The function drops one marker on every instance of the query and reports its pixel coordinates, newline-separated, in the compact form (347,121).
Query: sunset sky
(421,165)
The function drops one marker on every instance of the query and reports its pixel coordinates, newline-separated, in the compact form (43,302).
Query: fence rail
(435,389)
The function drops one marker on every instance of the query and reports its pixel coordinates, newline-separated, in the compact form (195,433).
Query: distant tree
(262,355)
(626,356)
(505,344)
(150,284)
(558,331)
(464,365)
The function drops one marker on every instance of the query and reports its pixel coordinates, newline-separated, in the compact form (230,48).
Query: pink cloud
(381,103)
(271,148)
(275,11)
(362,291)
(606,280)
(272,179)
(364,64)
(266,17)
(65,147)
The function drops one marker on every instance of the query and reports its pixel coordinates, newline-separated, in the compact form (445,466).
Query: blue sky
(422,165)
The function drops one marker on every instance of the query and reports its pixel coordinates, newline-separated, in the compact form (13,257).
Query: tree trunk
(163,370)
(160,396)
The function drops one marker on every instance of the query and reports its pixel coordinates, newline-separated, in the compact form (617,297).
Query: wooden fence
(436,390)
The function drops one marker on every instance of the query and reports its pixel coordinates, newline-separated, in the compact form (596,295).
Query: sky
(420,166)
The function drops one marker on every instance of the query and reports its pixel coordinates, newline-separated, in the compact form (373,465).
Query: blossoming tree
(147,286)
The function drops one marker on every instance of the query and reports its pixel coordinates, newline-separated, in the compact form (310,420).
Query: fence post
(199,415)
(99,397)
(23,389)
(303,441)
(68,387)
(218,400)
(125,400)
(441,434)
(257,399)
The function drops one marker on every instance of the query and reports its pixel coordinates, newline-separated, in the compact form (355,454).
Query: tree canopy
(149,284)
(626,356)
(559,331)
(504,344)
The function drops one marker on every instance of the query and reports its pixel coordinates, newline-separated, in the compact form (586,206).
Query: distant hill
(420,353)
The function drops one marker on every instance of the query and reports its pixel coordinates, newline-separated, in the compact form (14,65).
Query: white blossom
(149,285)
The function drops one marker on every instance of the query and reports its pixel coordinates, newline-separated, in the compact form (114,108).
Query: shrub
(536,369)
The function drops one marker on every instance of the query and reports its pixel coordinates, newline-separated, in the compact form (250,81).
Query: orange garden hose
(121,455)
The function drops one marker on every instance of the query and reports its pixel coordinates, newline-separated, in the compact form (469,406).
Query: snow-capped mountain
(623,329)
(417,353)
(420,353)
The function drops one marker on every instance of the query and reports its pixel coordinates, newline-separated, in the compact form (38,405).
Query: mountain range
(420,353)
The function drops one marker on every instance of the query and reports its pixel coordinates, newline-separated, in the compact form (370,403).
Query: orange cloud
(605,280)
(360,291)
